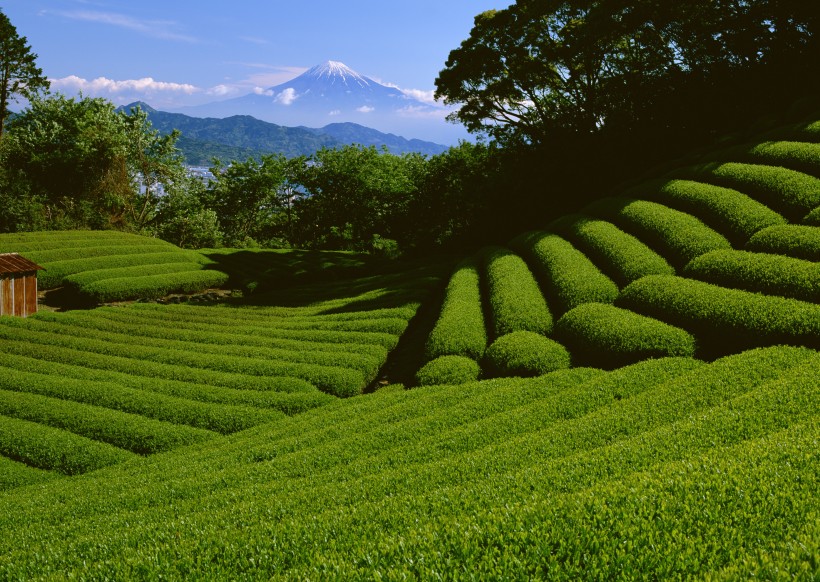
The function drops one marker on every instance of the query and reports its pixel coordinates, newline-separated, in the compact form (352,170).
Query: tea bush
(677,236)
(448,370)
(759,272)
(609,337)
(525,353)
(460,329)
(793,240)
(567,277)
(516,302)
(724,320)
(618,254)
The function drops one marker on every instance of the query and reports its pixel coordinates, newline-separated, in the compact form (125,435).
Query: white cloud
(102,86)
(163,29)
(365,109)
(421,95)
(335,112)
(423,112)
(287,96)
(263,91)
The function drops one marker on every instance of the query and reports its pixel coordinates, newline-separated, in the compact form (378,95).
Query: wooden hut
(18,285)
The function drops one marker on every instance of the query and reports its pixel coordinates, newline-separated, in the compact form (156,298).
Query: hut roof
(11,263)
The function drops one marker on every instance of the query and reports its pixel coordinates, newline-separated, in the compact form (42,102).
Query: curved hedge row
(16,474)
(55,449)
(813,217)
(516,302)
(618,254)
(84,278)
(16,375)
(795,155)
(61,254)
(760,272)
(460,329)
(728,211)
(724,320)
(678,236)
(56,272)
(793,240)
(131,432)
(525,353)
(789,192)
(606,336)
(449,370)
(153,286)
(566,275)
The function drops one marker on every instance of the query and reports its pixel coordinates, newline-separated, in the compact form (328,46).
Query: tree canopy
(19,74)
(543,68)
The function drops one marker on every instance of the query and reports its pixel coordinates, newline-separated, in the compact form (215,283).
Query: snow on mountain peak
(335,69)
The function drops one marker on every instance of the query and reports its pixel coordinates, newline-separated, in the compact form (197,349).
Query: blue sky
(184,52)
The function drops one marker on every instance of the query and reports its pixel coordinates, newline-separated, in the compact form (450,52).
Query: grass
(666,430)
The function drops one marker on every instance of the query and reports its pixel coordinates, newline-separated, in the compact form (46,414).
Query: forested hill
(241,136)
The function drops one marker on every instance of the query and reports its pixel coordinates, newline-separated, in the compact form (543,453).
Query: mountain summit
(332,92)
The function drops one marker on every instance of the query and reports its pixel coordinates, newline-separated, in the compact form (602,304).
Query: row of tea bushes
(792,240)
(730,212)
(516,302)
(765,273)
(724,320)
(618,254)
(791,193)
(550,472)
(677,236)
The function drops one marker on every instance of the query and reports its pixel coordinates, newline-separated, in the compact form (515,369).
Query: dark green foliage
(525,353)
(460,329)
(759,272)
(448,370)
(16,474)
(127,431)
(801,156)
(220,418)
(799,241)
(724,320)
(678,236)
(566,275)
(153,286)
(515,300)
(618,254)
(51,448)
(551,473)
(602,335)
(728,211)
(788,192)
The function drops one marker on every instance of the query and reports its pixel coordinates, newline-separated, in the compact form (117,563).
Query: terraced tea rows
(87,387)
(575,474)
(702,268)
(104,266)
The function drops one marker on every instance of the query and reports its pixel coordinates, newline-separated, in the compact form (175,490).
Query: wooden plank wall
(18,295)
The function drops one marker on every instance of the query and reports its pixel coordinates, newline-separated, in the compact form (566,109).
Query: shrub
(678,236)
(759,272)
(525,353)
(728,211)
(448,370)
(724,320)
(51,448)
(798,241)
(460,329)
(606,336)
(516,301)
(813,217)
(618,254)
(789,192)
(795,155)
(566,275)
(79,280)
(153,286)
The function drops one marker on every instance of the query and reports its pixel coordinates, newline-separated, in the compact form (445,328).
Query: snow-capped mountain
(332,92)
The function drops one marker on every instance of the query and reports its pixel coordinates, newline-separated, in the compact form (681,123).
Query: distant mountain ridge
(331,93)
(243,136)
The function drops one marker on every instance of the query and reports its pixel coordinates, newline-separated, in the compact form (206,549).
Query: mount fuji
(331,93)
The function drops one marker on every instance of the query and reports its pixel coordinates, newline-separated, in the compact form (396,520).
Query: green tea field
(632,392)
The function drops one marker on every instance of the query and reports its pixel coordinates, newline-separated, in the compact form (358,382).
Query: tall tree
(19,74)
